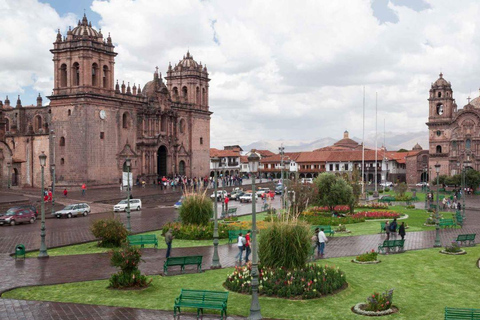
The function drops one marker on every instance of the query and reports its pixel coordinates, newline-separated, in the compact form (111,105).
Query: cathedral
(454,134)
(94,123)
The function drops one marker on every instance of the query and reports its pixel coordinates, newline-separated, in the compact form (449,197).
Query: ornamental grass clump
(379,301)
(368,256)
(196,209)
(111,232)
(127,260)
(285,245)
(196,232)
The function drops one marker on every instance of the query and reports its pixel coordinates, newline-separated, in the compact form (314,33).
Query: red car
(269,194)
(17,215)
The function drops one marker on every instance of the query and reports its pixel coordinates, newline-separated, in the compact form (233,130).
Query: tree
(333,191)
(472,179)
(305,195)
(356,184)
(402,150)
(401,188)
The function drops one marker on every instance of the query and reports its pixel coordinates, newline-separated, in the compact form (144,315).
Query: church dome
(346,142)
(475,103)
(417,147)
(187,62)
(155,85)
(85,28)
(441,82)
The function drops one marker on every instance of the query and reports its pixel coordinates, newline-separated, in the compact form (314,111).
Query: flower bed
(454,249)
(373,205)
(359,308)
(312,281)
(339,209)
(330,221)
(371,215)
(368,257)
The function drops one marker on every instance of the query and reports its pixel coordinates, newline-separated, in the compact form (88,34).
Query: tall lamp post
(43,247)
(128,162)
(223,164)
(425,185)
(9,165)
(52,168)
(253,163)
(215,259)
(281,151)
(286,164)
(437,216)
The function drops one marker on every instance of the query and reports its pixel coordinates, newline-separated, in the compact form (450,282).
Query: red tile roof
(276,158)
(264,153)
(223,153)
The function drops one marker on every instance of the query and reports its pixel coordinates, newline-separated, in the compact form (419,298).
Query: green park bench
(464,238)
(232,212)
(460,313)
(233,234)
(446,223)
(201,299)
(391,246)
(182,262)
(387,199)
(141,240)
(326,229)
(458,219)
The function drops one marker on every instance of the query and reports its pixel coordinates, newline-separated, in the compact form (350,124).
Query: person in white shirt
(241,245)
(322,239)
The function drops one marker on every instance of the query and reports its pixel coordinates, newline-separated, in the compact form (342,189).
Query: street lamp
(253,164)
(281,151)
(9,165)
(425,185)
(52,168)
(286,164)
(437,216)
(215,259)
(128,162)
(43,247)
(223,164)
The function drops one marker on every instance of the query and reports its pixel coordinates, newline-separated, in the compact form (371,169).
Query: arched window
(439,109)
(182,126)
(38,123)
(197,96)
(181,167)
(69,112)
(7,124)
(439,149)
(185,93)
(62,161)
(468,144)
(163,124)
(105,76)
(439,94)
(201,140)
(94,74)
(454,145)
(63,75)
(175,93)
(125,120)
(76,74)
(62,141)
(204,97)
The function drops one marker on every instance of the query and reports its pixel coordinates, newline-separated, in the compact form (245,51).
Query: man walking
(322,239)
(168,240)
(84,189)
(247,246)
(240,243)
(226,204)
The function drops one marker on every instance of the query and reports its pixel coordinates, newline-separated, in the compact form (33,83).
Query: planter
(453,253)
(429,225)
(358,309)
(366,262)
(347,231)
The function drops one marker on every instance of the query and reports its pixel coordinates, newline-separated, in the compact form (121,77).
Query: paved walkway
(66,269)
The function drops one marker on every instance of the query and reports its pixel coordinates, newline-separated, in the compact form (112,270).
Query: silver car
(73,210)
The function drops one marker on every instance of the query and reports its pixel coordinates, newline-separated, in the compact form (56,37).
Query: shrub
(285,245)
(387,189)
(196,208)
(127,260)
(311,281)
(380,191)
(411,206)
(197,232)
(230,219)
(341,228)
(368,256)
(432,219)
(454,248)
(111,232)
(370,192)
(379,302)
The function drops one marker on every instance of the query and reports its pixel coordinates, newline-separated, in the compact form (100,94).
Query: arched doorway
(162,161)
(181,168)
(15,177)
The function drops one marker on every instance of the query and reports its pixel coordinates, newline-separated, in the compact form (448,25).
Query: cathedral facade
(454,134)
(93,124)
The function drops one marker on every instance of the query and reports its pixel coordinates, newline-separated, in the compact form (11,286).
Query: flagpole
(376,144)
(363,147)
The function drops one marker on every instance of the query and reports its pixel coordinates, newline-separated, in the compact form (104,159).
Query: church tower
(441,103)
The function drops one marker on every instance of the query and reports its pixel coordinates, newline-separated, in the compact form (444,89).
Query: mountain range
(393,140)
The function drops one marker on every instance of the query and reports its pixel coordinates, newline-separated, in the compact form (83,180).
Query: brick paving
(80,268)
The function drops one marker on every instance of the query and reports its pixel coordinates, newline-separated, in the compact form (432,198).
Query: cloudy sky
(280,69)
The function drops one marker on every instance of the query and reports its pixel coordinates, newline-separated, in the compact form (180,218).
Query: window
(63,75)
(204,97)
(468,144)
(62,142)
(175,92)
(201,140)
(439,109)
(7,124)
(102,135)
(439,149)
(104,76)
(185,93)
(346,167)
(62,161)
(331,167)
(337,167)
(439,94)
(125,121)
(94,74)
(69,112)
(439,133)
(454,145)
(182,126)
(76,74)
(197,96)
(38,123)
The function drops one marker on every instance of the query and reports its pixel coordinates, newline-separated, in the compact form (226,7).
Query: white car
(422,184)
(73,210)
(219,194)
(247,197)
(307,180)
(261,191)
(135,204)
(386,184)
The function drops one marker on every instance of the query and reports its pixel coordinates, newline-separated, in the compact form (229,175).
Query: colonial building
(454,135)
(93,123)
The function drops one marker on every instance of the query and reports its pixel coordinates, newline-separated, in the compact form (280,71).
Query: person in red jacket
(226,203)
(65,192)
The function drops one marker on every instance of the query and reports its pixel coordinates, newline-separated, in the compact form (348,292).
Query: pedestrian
(393,228)
(322,239)
(65,192)
(240,243)
(387,229)
(459,206)
(168,240)
(248,248)
(84,189)
(226,204)
(50,195)
(401,230)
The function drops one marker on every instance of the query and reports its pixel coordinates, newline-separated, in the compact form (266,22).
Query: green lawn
(91,247)
(422,289)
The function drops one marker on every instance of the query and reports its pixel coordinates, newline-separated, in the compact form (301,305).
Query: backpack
(244,241)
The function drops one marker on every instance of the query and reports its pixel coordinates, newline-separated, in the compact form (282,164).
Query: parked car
(247,197)
(261,191)
(422,184)
(236,195)
(178,204)
(16,216)
(73,210)
(307,180)
(135,204)
(278,190)
(219,194)
(33,208)
(270,194)
(386,184)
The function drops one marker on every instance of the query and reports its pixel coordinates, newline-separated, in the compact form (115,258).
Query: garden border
(453,253)
(366,262)
(357,309)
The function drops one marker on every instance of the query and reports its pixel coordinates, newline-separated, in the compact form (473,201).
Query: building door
(162,161)
(181,168)
(15,177)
